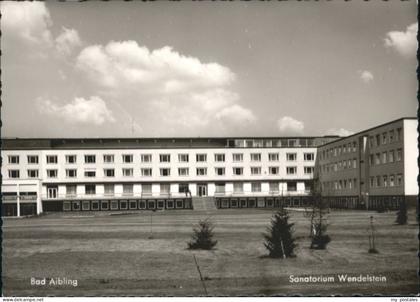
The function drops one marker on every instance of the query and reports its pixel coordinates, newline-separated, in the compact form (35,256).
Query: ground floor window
(160,204)
(270,203)
(225,203)
(86,205)
(234,203)
(179,204)
(133,204)
(105,205)
(114,205)
(243,203)
(251,203)
(170,204)
(95,205)
(66,206)
(151,204)
(76,205)
(123,205)
(142,205)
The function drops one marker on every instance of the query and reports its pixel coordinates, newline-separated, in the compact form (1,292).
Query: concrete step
(204,203)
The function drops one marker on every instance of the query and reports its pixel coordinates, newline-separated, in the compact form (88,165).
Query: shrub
(279,239)
(202,237)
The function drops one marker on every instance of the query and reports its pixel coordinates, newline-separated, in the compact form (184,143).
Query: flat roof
(369,129)
(139,143)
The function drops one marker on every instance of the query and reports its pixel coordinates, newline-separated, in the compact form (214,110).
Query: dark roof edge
(370,129)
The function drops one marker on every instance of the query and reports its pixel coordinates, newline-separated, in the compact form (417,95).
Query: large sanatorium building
(372,168)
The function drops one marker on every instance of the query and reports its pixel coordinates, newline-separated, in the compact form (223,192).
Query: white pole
(17,200)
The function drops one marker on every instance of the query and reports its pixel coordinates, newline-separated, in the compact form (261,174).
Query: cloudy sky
(98,69)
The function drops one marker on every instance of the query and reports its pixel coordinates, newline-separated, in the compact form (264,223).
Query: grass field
(112,255)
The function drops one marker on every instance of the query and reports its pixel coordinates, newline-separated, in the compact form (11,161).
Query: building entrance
(202,190)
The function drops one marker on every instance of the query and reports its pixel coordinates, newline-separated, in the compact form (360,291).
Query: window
(384,138)
(391,180)
(108,158)
(238,187)
(14,173)
(291,156)
(377,159)
(255,156)
(391,156)
(128,172)
(354,163)
(127,158)
(165,188)
(146,172)
(384,157)
(291,170)
(201,157)
(371,160)
(378,140)
(183,158)
(201,171)
(146,158)
(273,170)
(399,180)
(109,189)
(70,159)
(391,136)
(52,173)
(371,141)
(385,180)
(219,157)
(220,171)
(308,170)
(291,186)
(274,187)
(255,187)
(13,159)
(273,156)
(90,173)
(310,156)
(32,159)
(354,146)
(378,181)
(398,137)
(372,182)
(255,170)
(71,173)
(90,159)
(399,154)
(109,172)
(183,171)
(164,158)
(51,159)
(70,190)
(220,188)
(238,171)
(183,188)
(90,189)
(127,189)
(165,171)
(32,173)
(238,157)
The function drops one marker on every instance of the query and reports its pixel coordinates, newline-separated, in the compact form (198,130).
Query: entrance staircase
(204,203)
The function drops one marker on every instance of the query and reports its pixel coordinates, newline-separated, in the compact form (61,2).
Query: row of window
(385,157)
(340,165)
(147,172)
(163,158)
(388,137)
(339,185)
(391,180)
(337,151)
(128,189)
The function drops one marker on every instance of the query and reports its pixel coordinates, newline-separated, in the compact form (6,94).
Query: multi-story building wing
(161,173)
(372,168)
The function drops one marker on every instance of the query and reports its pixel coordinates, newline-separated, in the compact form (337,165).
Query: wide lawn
(113,255)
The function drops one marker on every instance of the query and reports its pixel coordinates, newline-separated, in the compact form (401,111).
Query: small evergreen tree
(202,237)
(279,239)
(402,214)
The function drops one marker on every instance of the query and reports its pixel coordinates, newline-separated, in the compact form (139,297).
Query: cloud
(28,21)
(339,132)
(289,125)
(80,111)
(67,41)
(366,76)
(170,93)
(403,42)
